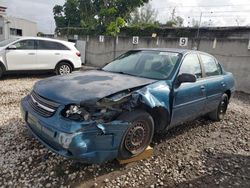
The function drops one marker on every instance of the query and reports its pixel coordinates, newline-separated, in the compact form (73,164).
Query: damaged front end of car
(91,131)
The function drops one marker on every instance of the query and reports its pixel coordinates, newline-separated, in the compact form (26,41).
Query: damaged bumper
(89,142)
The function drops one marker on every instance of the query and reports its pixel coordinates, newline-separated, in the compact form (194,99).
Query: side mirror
(185,77)
(11,47)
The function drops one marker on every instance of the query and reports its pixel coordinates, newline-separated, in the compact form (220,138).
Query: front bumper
(89,142)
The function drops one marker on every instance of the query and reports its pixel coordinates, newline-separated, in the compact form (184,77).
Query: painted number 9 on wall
(183,41)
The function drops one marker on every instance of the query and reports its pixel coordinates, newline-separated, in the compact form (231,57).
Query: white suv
(35,53)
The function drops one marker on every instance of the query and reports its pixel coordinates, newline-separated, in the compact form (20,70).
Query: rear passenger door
(49,53)
(189,98)
(214,82)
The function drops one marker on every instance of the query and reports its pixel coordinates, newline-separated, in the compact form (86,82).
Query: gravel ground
(197,154)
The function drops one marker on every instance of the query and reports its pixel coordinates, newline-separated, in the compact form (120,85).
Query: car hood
(89,86)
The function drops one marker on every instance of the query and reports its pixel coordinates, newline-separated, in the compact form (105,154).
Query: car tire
(63,68)
(138,135)
(220,112)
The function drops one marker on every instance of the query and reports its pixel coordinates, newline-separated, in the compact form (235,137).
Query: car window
(148,64)
(49,45)
(25,45)
(210,65)
(191,65)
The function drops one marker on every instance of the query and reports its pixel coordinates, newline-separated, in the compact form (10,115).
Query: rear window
(50,45)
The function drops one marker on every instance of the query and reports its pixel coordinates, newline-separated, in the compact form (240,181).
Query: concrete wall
(232,53)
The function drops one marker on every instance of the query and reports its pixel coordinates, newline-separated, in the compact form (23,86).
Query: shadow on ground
(224,170)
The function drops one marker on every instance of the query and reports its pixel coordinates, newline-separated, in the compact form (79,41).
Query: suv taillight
(78,54)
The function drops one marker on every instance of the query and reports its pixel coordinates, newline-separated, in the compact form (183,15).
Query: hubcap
(64,69)
(223,108)
(137,137)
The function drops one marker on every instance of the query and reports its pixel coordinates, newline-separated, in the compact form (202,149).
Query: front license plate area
(32,121)
(48,132)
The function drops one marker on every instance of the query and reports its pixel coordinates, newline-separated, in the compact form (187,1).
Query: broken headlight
(79,113)
(75,112)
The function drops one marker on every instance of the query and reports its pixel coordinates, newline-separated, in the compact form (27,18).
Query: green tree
(179,21)
(114,27)
(88,14)
(143,16)
(58,16)
(106,15)
(72,13)
(176,22)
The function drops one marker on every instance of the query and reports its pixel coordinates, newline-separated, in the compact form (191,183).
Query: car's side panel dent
(156,97)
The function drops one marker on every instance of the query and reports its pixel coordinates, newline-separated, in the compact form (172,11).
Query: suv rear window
(49,45)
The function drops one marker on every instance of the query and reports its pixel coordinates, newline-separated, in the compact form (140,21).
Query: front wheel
(63,69)
(220,112)
(138,135)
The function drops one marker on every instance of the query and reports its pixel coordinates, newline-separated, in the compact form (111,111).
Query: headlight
(73,109)
(79,113)
(75,112)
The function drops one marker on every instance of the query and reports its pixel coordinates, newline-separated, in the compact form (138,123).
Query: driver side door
(23,57)
(189,98)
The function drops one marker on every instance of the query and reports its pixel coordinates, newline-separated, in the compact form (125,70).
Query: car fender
(3,63)
(67,61)
(156,99)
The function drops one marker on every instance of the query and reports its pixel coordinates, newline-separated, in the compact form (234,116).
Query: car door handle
(31,53)
(57,53)
(202,87)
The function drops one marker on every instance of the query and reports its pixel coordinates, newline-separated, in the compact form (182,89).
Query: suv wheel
(63,68)
(138,135)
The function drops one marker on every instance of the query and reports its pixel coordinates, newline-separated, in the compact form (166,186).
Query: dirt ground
(197,154)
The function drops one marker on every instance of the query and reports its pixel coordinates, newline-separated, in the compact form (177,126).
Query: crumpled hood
(89,86)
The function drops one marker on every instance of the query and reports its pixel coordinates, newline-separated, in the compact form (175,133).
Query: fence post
(115,42)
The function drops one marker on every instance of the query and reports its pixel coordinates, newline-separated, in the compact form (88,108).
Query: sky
(214,12)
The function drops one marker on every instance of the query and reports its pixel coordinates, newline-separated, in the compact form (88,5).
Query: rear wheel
(220,112)
(138,135)
(63,68)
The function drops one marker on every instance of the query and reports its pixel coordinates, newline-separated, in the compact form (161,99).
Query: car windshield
(6,42)
(149,64)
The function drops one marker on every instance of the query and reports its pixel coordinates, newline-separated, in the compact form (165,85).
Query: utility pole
(173,14)
(198,31)
(8,29)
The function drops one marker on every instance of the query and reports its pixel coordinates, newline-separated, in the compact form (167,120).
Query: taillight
(78,54)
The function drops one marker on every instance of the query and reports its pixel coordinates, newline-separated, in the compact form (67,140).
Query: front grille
(42,106)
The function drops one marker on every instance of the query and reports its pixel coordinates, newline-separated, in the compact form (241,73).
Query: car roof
(47,39)
(177,50)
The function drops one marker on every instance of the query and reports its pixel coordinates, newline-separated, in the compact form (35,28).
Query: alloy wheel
(64,69)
